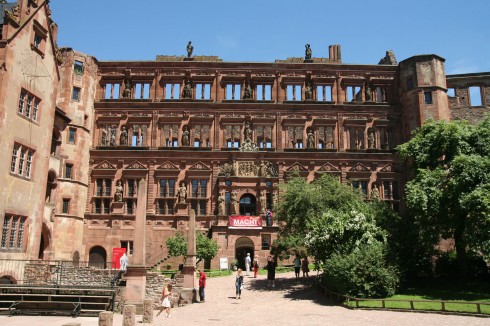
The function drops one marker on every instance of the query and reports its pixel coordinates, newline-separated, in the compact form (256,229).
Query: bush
(364,273)
(446,266)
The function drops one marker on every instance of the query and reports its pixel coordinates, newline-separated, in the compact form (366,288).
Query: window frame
(21,161)
(13,231)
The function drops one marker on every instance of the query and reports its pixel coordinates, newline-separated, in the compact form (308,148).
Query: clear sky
(265,30)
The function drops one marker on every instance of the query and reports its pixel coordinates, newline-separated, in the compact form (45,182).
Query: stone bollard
(148,311)
(105,318)
(129,315)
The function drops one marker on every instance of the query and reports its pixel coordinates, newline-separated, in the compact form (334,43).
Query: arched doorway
(97,257)
(243,246)
(248,206)
(45,241)
(6,279)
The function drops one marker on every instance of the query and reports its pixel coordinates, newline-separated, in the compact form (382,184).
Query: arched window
(248,205)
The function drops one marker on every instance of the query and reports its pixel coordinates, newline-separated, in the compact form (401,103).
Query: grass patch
(460,294)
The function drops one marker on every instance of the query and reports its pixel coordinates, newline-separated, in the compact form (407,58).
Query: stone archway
(97,257)
(243,245)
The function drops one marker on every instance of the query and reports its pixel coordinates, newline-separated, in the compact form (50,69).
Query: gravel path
(291,302)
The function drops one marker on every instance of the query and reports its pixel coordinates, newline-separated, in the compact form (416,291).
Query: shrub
(446,266)
(362,273)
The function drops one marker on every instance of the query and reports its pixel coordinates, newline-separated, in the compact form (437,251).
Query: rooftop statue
(308,52)
(190,48)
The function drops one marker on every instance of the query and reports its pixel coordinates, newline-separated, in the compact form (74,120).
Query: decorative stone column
(188,293)
(136,271)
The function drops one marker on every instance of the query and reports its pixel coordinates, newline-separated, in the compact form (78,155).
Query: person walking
(202,284)
(297,265)
(239,283)
(256,265)
(271,271)
(305,267)
(248,261)
(166,304)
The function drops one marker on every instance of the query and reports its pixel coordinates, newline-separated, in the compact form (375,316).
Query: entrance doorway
(243,246)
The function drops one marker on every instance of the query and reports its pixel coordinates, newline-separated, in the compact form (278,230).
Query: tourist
(248,261)
(166,304)
(297,265)
(271,271)
(305,267)
(202,284)
(239,283)
(256,266)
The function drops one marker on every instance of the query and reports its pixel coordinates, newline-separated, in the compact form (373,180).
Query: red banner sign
(245,222)
(116,256)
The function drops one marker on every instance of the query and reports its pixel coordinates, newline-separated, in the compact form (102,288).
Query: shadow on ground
(294,288)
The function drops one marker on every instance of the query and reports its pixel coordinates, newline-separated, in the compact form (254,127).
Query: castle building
(213,136)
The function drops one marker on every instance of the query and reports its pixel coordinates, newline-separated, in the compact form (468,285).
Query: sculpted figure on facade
(112,140)
(123,138)
(375,192)
(187,91)
(368,94)
(127,89)
(221,204)
(234,204)
(247,132)
(263,201)
(308,52)
(247,94)
(248,145)
(118,194)
(308,91)
(182,193)
(310,141)
(371,139)
(190,49)
(185,137)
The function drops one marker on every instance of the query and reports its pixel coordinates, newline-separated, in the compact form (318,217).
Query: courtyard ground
(291,302)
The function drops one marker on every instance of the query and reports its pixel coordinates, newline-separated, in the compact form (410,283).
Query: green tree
(449,194)
(206,248)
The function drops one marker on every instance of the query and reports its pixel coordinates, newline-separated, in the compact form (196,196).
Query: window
(28,105)
(78,67)
(103,187)
(167,188)
(66,206)
(324,93)
(233,92)
(410,84)
(199,188)
(102,205)
(167,191)
(21,162)
(203,91)
(293,93)
(199,193)
(75,95)
(112,91)
(130,206)
(172,91)
(13,232)
(128,245)
(37,41)
(72,132)
(266,241)
(361,185)
(428,97)
(131,184)
(263,93)
(165,206)
(475,96)
(68,169)
(199,206)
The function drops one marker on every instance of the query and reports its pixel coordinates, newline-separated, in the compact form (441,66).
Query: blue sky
(265,30)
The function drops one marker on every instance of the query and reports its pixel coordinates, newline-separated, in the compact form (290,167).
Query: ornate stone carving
(221,204)
(167,165)
(105,165)
(263,202)
(187,90)
(308,91)
(310,140)
(387,168)
(234,204)
(136,166)
(375,192)
(199,166)
(297,167)
(248,93)
(328,167)
(227,170)
(185,137)
(182,194)
(123,138)
(127,89)
(359,168)
(371,138)
(189,49)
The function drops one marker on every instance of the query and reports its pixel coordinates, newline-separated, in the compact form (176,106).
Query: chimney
(334,53)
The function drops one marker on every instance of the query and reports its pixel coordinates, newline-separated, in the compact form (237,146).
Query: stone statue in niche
(182,193)
(263,201)
(187,91)
(263,169)
(368,94)
(308,91)
(247,132)
(247,94)
(190,49)
(275,199)
(308,52)
(123,138)
(375,192)
(221,204)
(234,205)
(118,194)
(112,140)
(185,137)
(310,141)
(359,96)
(371,139)
(127,89)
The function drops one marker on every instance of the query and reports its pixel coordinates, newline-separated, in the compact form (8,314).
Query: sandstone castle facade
(78,135)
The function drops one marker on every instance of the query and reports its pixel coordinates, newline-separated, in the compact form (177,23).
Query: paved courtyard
(291,302)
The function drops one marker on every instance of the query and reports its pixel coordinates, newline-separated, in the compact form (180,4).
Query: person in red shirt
(202,284)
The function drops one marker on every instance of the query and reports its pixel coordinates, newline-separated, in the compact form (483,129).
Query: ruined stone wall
(44,274)
(460,104)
